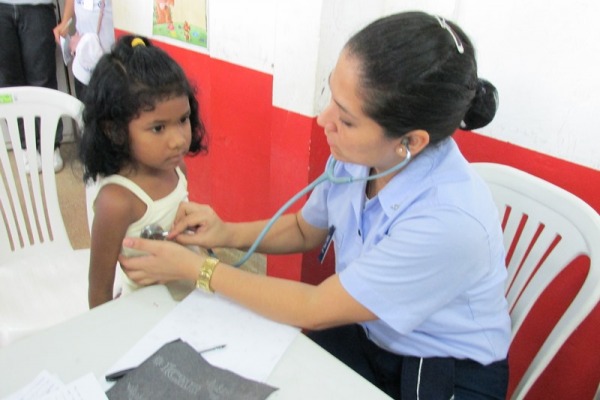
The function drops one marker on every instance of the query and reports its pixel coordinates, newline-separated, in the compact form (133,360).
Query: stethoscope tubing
(327,175)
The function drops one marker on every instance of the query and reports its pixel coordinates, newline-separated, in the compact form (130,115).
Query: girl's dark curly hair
(129,80)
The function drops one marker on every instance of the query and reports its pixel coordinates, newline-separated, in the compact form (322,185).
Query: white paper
(85,388)
(47,386)
(254,344)
(41,385)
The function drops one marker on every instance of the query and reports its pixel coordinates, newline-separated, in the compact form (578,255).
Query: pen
(119,374)
(221,346)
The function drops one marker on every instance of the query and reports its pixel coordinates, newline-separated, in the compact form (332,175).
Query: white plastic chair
(42,279)
(545,228)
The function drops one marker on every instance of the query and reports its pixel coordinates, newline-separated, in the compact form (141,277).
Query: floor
(71,194)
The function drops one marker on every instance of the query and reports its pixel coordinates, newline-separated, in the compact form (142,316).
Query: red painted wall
(260,156)
(582,181)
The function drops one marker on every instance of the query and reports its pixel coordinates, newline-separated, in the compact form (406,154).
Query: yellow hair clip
(137,42)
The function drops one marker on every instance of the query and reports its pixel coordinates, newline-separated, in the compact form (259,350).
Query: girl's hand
(165,262)
(198,224)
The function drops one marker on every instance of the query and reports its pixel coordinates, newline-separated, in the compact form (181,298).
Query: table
(95,340)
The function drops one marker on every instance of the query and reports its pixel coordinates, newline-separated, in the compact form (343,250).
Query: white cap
(87,54)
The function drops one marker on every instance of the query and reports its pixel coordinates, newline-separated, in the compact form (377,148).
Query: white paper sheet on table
(254,343)
(47,386)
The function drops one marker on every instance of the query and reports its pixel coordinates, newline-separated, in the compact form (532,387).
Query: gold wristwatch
(205,273)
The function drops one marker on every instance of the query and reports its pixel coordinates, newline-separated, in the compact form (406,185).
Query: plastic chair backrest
(545,229)
(30,216)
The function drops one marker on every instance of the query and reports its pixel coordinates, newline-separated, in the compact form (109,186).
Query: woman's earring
(399,150)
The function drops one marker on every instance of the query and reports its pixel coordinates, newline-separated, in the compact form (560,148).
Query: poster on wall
(183,22)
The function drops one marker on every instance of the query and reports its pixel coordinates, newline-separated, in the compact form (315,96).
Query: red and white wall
(264,79)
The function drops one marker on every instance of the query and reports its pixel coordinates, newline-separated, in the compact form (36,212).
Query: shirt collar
(399,192)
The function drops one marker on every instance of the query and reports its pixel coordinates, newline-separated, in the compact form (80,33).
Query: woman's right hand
(198,224)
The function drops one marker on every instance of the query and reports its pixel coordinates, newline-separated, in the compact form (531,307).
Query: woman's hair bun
(483,107)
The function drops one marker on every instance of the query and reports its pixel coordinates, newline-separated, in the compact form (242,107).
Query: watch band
(205,273)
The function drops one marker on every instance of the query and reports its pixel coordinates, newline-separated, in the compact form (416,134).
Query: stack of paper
(254,344)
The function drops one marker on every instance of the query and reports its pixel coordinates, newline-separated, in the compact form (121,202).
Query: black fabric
(28,51)
(402,376)
(431,378)
(80,89)
(177,371)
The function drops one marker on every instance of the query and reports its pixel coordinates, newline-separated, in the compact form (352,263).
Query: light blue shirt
(425,255)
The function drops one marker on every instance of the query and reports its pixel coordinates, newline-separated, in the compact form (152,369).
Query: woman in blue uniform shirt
(417,302)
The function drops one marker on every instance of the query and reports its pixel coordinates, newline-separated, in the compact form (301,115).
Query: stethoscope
(327,175)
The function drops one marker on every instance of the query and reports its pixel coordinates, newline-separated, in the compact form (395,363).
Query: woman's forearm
(289,234)
(290,302)
(286,301)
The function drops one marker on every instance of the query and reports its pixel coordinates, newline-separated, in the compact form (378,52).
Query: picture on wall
(183,21)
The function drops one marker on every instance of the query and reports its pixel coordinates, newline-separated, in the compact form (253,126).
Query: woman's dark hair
(125,82)
(414,76)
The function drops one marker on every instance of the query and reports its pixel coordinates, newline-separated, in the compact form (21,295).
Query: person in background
(416,304)
(95,33)
(141,119)
(28,52)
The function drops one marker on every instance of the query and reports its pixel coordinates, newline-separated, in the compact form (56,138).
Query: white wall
(243,32)
(543,57)
(240,31)
(540,55)
(296,64)
(133,16)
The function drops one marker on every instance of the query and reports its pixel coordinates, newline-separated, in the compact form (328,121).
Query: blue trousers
(403,377)
(28,49)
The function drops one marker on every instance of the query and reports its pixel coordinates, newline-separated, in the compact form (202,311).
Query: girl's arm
(114,211)
(290,302)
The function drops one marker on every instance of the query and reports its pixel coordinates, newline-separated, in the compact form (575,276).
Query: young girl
(141,119)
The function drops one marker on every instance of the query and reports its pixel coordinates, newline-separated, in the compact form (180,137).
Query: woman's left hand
(165,262)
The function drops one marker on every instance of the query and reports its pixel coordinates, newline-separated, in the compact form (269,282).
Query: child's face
(160,138)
